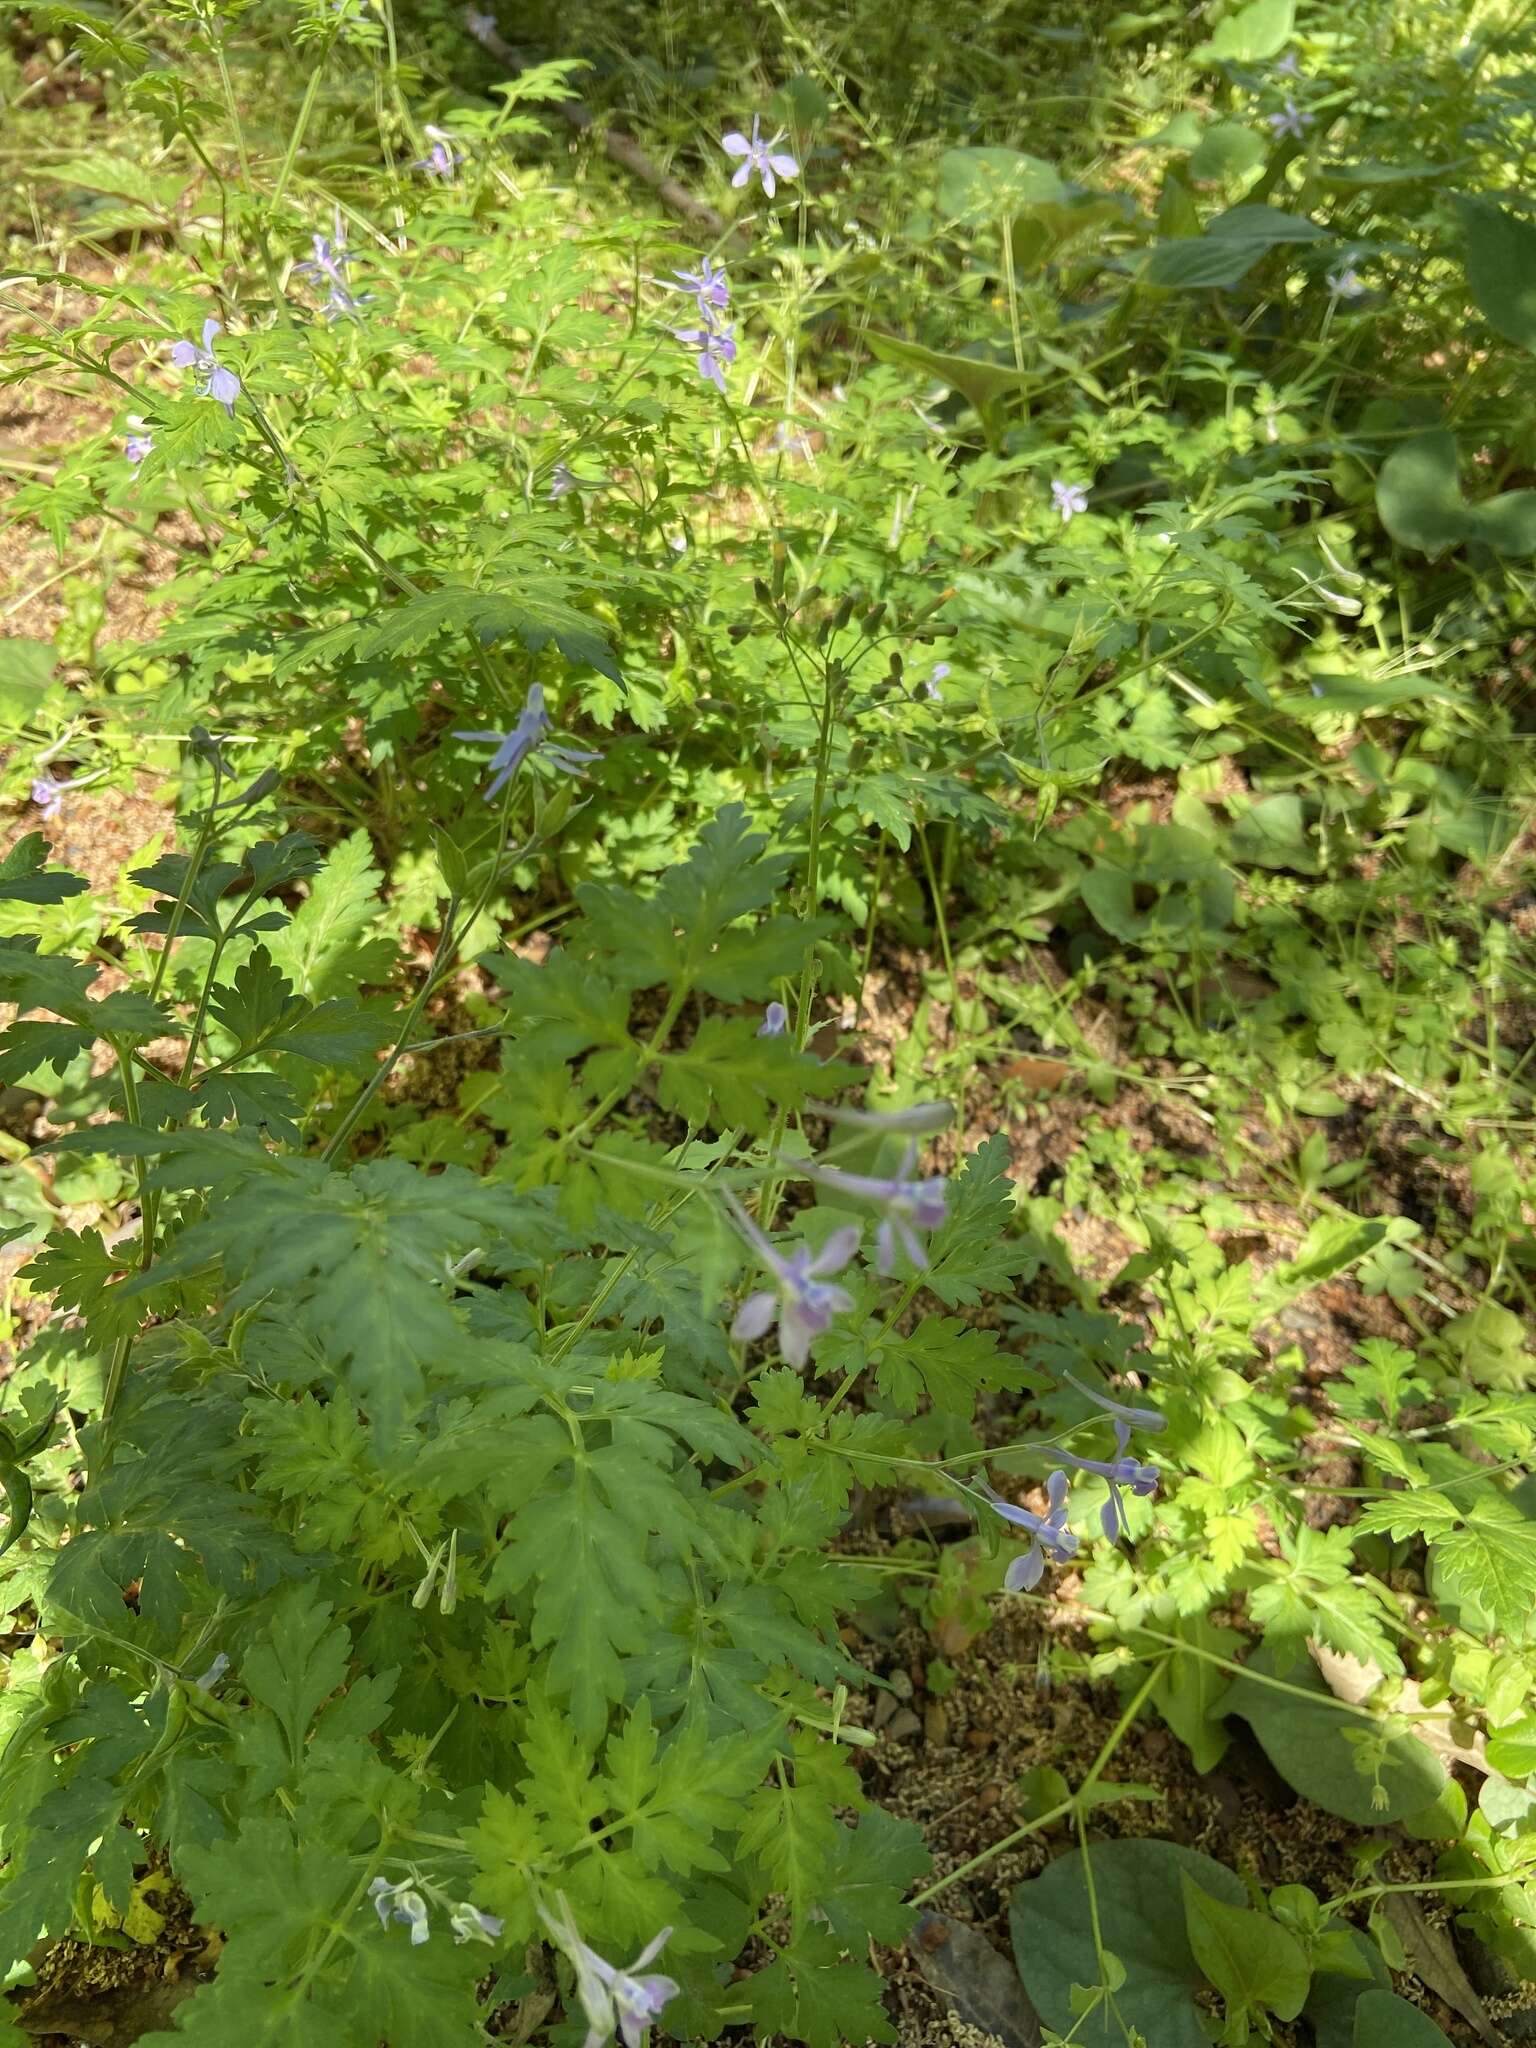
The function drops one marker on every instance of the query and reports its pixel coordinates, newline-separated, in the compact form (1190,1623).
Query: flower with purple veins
(758,155)
(217,382)
(1069,499)
(442,159)
(470,1924)
(138,445)
(909,1205)
(1052,1538)
(707,286)
(775,1021)
(1291,121)
(401,1902)
(514,747)
(613,2000)
(937,674)
(803,1303)
(716,347)
(562,481)
(1119,1471)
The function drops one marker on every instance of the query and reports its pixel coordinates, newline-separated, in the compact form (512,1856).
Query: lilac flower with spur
(48,795)
(442,159)
(802,1303)
(621,2001)
(470,1924)
(758,155)
(909,1205)
(1289,66)
(707,286)
(775,1021)
(1118,1471)
(1052,1538)
(937,674)
(139,443)
(329,260)
(716,347)
(562,481)
(481,26)
(401,1902)
(1069,499)
(216,382)
(1290,121)
(1345,283)
(514,747)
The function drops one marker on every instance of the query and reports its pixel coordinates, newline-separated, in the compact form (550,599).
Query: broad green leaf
(1382,2020)
(1317,1746)
(1230,247)
(1249,35)
(1501,268)
(1254,1962)
(1227,149)
(977,185)
(1137,1890)
(976,378)
(1418,493)
(1188,1693)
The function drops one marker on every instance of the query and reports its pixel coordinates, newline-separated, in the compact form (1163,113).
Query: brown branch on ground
(622,148)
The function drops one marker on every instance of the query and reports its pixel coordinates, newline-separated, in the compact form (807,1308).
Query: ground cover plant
(767,934)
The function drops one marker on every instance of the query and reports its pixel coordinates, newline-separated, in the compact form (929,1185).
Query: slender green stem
(1074,1805)
(447,939)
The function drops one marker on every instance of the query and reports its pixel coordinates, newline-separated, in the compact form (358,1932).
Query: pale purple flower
(401,1902)
(1345,283)
(775,1021)
(920,1120)
(621,2001)
(470,1924)
(1052,1537)
(48,795)
(707,286)
(1069,499)
(329,260)
(137,446)
(803,1303)
(217,382)
(937,674)
(213,1674)
(1119,1471)
(909,1205)
(716,347)
(1289,66)
(442,158)
(481,26)
(562,481)
(1291,121)
(758,155)
(514,747)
